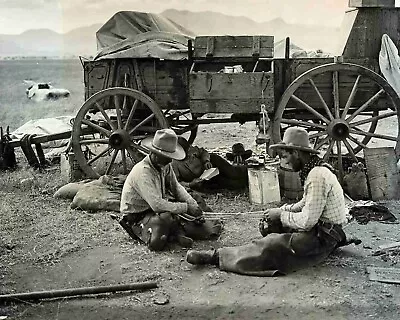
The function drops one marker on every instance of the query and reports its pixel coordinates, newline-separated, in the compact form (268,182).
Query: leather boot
(201,257)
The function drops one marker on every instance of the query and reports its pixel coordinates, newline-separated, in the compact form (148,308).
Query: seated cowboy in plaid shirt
(294,236)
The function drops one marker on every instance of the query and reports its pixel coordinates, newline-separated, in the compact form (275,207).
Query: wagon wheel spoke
(360,144)
(371,101)
(97,127)
(118,111)
(141,123)
(124,164)
(371,119)
(336,102)
(318,145)
(350,100)
(329,150)
(304,124)
(114,156)
(105,115)
(340,160)
(99,156)
(309,108)
(90,141)
(131,113)
(350,149)
(373,135)
(317,135)
(327,110)
(139,147)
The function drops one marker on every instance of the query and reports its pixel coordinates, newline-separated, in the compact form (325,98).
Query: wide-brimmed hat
(238,150)
(295,138)
(165,143)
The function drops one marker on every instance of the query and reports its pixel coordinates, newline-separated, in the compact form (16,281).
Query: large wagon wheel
(108,129)
(341,105)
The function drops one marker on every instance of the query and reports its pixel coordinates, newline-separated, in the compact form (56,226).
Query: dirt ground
(46,245)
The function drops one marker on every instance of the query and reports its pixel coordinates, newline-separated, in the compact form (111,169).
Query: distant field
(16,108)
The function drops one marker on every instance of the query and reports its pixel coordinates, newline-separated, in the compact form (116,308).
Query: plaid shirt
(323,200)
(147,188)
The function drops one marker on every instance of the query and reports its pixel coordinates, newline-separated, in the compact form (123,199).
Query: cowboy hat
(238,150)
(295,138)
(165,143)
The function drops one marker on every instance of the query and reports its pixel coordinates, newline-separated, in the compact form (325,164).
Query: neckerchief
(314,161)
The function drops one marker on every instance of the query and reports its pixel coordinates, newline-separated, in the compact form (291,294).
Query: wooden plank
(210,46)
(372,3)
(246,85)
(256,46)
(230,105)
(44,138)
(387,247)
(386,275)
(96,75)
(233,46)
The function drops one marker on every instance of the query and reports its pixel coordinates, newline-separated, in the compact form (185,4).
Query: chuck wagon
(169,78)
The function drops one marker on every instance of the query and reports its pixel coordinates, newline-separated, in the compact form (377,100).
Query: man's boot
(201,257)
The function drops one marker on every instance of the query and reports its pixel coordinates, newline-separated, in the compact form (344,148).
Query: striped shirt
(148,188)
(323,199)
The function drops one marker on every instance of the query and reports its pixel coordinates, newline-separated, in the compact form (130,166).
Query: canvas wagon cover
(130,34)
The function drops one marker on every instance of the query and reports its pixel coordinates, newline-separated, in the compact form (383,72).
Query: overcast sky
(17,16)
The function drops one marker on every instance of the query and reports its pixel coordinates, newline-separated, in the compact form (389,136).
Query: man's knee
(160,227)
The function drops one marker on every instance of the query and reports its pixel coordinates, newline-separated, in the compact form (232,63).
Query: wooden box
(372,3)
(233,47)
(213,92)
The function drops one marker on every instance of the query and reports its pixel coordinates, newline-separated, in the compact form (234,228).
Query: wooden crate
(213,92)
(372,3)
(233,47)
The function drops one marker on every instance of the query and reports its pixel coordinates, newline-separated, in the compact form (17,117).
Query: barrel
(290,184)
(264,185)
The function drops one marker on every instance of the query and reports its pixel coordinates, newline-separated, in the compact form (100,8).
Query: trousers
(157,229)
(282,253)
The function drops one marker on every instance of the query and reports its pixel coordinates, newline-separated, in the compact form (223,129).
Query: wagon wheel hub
(119,139)
(339,129)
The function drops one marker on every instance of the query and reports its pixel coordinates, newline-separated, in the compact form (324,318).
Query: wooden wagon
(341,101)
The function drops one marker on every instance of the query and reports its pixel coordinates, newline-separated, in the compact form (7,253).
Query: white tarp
(130,34)
(389,62)
(45,126)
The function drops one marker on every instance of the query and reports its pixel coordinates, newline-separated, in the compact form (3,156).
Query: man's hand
(207,165)
(194,210)
(273,214)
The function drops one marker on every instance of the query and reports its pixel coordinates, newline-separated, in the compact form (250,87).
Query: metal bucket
(264,185)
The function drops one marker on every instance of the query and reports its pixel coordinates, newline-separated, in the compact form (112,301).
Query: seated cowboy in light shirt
(294,236)
(156,207)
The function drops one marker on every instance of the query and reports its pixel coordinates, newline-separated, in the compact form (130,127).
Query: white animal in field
(40,91)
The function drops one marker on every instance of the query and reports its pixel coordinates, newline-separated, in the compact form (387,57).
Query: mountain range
(82,41)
